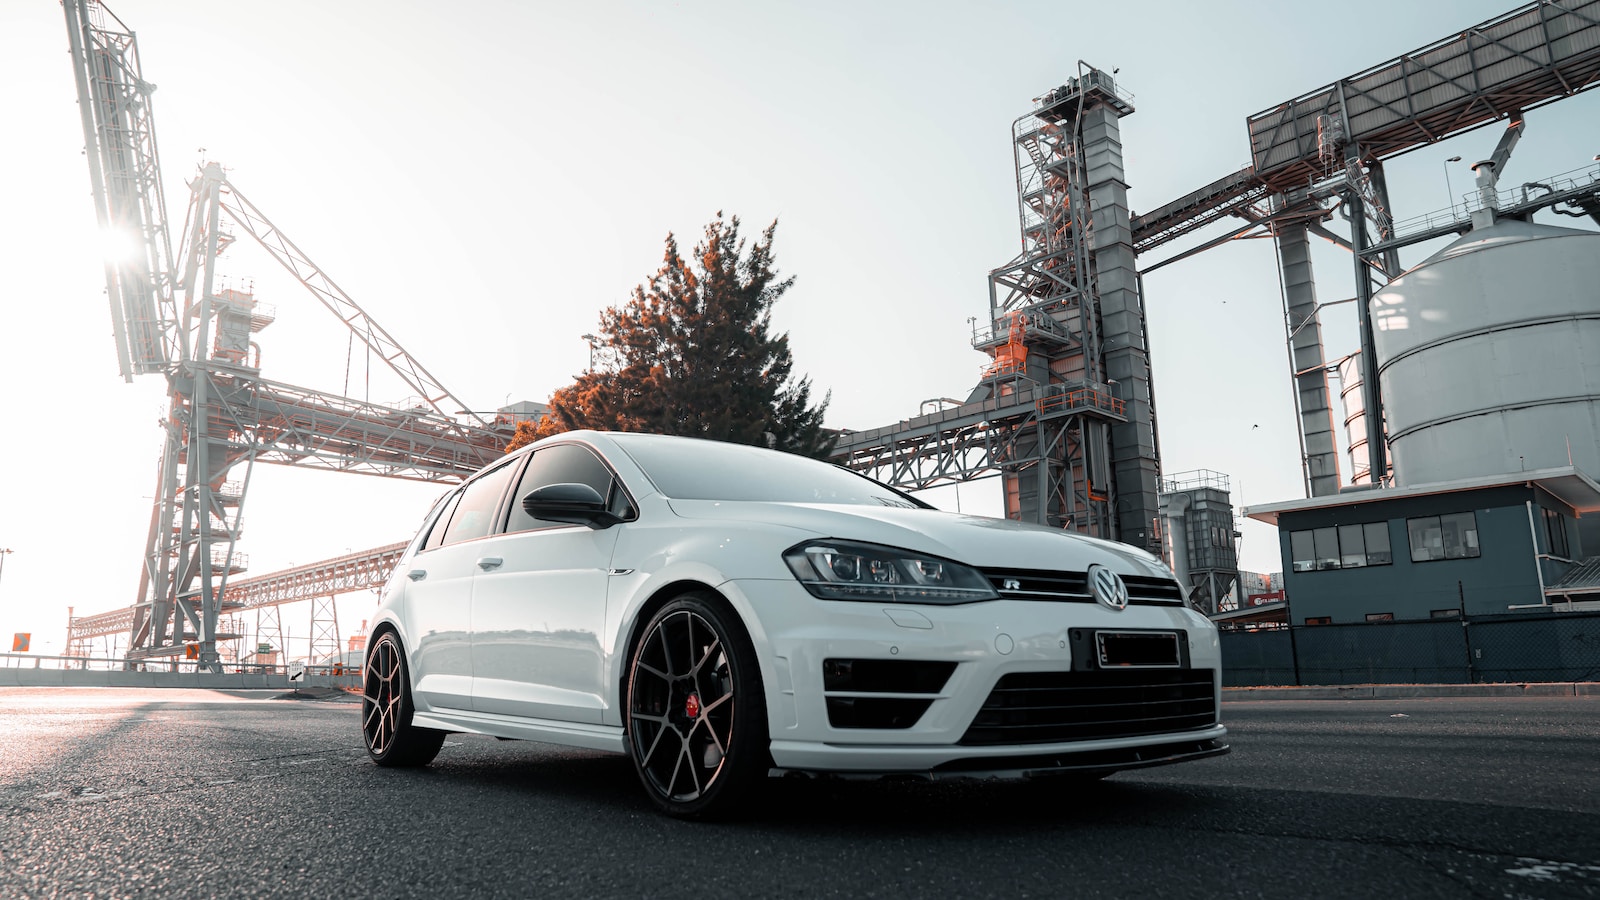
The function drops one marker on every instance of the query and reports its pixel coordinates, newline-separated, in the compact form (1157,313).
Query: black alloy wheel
(386,710)
(697,712)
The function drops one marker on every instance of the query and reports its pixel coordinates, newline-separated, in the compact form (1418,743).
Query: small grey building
(1475,546)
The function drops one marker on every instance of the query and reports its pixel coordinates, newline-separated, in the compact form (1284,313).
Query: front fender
(652,562)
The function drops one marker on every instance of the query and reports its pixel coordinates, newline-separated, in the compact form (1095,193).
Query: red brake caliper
(691,706)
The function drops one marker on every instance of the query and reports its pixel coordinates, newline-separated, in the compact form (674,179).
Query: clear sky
(484,177)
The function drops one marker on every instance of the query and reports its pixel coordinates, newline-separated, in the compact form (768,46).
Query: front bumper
(797,632)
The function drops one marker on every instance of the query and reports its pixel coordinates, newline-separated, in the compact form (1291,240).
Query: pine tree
(691,353)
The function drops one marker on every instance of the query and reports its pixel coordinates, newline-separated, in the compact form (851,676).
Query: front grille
(1145,589)
(1073,587)
(1048,707)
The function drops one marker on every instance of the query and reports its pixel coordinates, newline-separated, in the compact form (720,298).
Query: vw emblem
(1107,587)
(1012,584)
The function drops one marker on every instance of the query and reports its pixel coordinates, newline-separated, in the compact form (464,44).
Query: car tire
(386,710)
(697,710)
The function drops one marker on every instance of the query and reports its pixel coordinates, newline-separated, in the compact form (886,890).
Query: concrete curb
(1411,691)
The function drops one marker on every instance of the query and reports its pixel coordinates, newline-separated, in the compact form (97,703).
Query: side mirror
(574,504)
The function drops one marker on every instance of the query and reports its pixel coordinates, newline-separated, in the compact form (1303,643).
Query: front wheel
(386,710)
(697,711)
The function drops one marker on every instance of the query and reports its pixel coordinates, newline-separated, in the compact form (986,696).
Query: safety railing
(1081,398)
(166,664)
(1510,197)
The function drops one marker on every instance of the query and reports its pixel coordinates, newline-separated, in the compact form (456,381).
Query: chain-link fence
(1479,649)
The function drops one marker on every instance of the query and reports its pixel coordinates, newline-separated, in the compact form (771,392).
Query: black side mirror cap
(574,504)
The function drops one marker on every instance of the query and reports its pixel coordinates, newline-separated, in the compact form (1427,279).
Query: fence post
(1466,641)
(1294,650)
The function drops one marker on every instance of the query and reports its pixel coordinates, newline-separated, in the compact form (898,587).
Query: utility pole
(4,552)
(591,339)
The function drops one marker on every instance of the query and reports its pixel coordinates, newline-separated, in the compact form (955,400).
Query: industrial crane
(170,318)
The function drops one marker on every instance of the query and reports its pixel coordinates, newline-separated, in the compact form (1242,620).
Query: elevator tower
(1069,321)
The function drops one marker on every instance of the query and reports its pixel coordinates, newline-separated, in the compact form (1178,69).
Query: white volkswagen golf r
(721,613)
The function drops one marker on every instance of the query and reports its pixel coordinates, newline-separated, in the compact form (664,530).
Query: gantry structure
(364,570)
(172,319)
(1066,415)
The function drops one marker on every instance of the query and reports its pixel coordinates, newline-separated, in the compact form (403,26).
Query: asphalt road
(128,793)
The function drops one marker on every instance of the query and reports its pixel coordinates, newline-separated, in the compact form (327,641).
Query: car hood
(974,540)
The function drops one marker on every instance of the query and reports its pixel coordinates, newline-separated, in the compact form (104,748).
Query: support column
(1371,394)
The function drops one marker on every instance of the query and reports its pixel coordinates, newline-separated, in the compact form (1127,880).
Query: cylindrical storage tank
(1355,417)
(1489,355)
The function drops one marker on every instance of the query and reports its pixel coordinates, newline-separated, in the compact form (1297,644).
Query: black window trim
(467,485)
(430,521)
(440,517)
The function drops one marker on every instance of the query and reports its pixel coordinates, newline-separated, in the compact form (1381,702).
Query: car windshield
(690,469)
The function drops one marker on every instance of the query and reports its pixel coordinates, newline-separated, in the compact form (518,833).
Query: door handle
(417,574)
(490,562)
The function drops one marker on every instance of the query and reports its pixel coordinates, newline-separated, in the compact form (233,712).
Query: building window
(1352,547)
(1326,541)
(1300,545)
(1380,617)
(1444,613)
(1555,532)
(1377,538)
(1341,547)
(1450,536)
(1319,620)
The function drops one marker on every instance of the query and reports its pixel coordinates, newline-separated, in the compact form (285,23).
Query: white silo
(1489,355)
(1355,418)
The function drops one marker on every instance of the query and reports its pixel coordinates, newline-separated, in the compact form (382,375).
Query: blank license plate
(1138,649)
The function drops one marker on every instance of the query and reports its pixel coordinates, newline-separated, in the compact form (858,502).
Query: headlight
(845,570)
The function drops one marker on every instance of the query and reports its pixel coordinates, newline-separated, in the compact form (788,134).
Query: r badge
(1012,584)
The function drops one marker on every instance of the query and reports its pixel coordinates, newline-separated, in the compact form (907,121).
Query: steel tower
(1069,309)
(1065,415)
(170,318)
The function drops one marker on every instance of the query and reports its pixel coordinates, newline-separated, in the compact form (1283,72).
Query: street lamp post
(1447,186)
(4,552)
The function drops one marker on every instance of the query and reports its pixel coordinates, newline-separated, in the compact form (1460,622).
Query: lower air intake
(1050,707)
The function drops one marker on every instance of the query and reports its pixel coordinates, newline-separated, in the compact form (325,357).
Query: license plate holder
(1138,649)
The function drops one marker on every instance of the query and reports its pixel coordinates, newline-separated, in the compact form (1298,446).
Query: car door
(539,611)
(439,595)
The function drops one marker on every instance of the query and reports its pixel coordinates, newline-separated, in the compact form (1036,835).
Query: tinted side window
(474,515)
(436,531)
(561,464)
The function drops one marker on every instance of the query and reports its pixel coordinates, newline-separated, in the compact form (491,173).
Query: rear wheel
(697,711)
(386,710)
